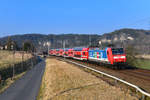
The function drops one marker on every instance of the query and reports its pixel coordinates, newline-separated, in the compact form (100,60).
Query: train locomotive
(111,56)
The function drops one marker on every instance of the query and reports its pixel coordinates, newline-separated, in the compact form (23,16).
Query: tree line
(12,45)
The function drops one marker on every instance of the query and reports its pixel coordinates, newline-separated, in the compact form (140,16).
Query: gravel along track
(139,77)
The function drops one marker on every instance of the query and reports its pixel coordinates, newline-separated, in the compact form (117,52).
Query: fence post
(22,60)
(0,79)
(115,82)
(143,97)
(28,61)
(13,64)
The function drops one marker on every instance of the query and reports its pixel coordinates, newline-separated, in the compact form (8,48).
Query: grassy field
(7,58)
(143,63)
(63,81)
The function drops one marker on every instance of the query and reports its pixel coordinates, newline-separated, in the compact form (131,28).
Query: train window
(99,54)
(117,51)
(83,53)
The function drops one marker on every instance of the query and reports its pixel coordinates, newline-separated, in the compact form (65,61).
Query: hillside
(140,39)
(71,40)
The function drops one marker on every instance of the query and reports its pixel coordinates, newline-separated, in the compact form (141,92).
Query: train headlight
(117,57)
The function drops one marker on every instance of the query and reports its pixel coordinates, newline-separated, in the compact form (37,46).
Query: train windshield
(117,51)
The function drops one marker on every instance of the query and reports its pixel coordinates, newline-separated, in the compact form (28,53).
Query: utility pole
(13,48)
(40,48)
(22,60)
(22,56)
(14,63)
(48,45)
(89,40)
(64,44)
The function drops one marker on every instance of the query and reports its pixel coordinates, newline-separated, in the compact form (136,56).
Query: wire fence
(17,68)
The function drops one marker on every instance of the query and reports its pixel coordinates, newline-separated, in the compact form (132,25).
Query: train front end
(116,56)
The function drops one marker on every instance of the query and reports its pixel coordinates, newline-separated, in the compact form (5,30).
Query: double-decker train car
(57,52)
(81,53)
(109,55)
(65,54)
(61,52)
(70,53)
(51,52)
(98,55)
(112,56)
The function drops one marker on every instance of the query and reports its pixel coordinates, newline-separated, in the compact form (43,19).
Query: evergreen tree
(28,46)
(9,43)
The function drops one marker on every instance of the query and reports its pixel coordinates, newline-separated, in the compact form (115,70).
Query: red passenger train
(112,56)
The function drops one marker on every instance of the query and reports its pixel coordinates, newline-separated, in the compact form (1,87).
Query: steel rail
(113,77)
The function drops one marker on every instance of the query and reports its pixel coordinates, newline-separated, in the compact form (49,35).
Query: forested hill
(71,40)
(140,39)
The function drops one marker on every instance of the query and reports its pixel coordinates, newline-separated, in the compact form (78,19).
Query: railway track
(139,77)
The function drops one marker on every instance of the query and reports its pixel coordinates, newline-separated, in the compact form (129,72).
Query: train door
(85,54)
(109,55)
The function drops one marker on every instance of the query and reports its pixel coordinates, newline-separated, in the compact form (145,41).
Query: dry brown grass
(63,81)
(7,58)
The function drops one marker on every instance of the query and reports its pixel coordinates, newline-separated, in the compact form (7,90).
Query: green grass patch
(143,63)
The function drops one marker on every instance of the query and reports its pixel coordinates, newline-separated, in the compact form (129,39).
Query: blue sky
(72,16)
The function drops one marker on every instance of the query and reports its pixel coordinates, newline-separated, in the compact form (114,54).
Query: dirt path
(63,81)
